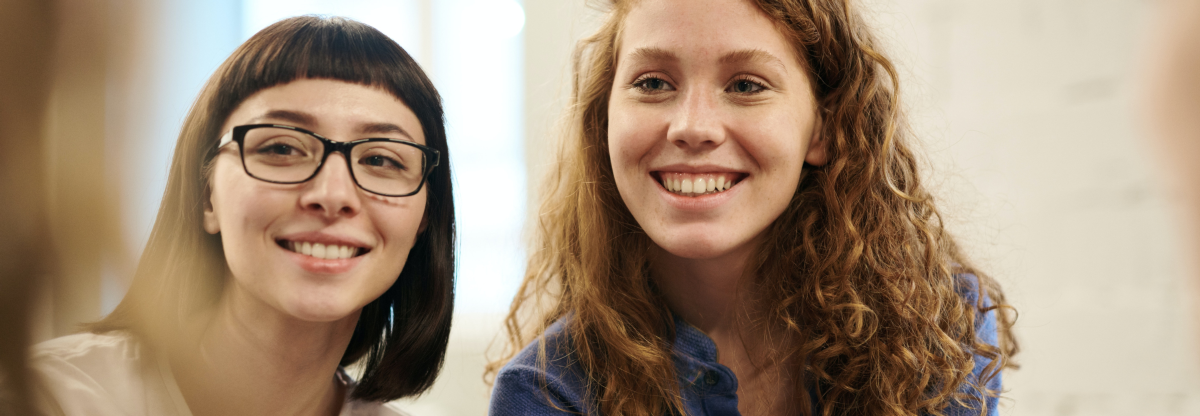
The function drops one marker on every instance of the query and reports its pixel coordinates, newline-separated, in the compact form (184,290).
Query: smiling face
(319,250)
(711,119)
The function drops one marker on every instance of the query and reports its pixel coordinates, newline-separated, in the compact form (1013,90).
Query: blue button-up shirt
(708,388)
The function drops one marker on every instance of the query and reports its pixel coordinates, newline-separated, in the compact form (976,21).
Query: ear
(210,217)
(818,152)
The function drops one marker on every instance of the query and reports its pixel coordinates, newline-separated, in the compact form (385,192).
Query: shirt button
(710,378)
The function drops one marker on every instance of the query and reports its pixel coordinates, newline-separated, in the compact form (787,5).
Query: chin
(318,311)
(704,242)
(696,248)
(697,253)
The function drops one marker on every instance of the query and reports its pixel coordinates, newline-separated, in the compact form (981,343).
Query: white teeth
(322,251)
(696,186)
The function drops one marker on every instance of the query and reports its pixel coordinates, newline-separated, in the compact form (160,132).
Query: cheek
(778,147)
(243,209)
(400,224)
(630,138)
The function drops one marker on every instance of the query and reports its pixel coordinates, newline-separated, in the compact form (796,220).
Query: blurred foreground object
(56,219)
(26,32)
(1173,111)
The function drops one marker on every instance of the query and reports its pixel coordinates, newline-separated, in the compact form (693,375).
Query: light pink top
(108,374)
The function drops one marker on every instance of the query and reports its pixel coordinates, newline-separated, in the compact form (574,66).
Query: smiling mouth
(698,184)
(322,251)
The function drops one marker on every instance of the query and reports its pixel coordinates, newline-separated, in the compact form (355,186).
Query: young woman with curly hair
(736,225)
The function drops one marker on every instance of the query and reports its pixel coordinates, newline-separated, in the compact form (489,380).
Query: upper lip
(324,238)
(686,168)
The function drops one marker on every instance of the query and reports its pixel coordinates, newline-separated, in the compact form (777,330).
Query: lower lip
(322,266)
(697,203)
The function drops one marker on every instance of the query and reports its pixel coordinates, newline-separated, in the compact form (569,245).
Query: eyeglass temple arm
(225,139)
(437,159)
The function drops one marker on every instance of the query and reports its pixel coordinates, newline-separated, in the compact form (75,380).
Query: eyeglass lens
(282,155)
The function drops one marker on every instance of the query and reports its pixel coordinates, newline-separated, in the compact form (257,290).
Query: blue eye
(745,86)
(652,84)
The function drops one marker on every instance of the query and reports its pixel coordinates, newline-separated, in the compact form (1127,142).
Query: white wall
(551,28)
(1028,113)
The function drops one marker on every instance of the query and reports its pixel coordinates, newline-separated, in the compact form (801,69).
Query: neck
(710,295)
(249,358)
(704,292)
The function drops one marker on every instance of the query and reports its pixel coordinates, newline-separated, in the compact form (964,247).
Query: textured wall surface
(1027,114)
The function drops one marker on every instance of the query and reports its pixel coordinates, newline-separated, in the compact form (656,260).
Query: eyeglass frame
(238,134)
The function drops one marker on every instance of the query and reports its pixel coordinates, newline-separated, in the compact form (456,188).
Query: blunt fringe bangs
(401,337)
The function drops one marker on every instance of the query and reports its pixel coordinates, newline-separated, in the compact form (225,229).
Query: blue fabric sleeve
(986,328)
(523,387)
(519,391)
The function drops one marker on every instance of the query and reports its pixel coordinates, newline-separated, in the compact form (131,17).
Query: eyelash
(747,79)
(641,82)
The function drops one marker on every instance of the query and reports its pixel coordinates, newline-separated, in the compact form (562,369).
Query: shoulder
(88,373)
(967,286)
(986,330)
(96,357)
(85,346)
(362,408)
(548,385)
(353,407)
(975,296)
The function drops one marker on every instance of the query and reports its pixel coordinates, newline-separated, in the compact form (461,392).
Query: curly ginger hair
(858,274)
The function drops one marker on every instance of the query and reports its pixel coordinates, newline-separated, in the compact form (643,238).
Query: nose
(332,193)
(696,125)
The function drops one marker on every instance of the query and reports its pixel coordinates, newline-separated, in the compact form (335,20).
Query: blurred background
(1028,112)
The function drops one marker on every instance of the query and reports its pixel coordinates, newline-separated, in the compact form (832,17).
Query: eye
(277,149)
(382,162)
(652,84)
(745,86)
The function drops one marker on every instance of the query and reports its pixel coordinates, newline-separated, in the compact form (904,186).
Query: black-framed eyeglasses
(288,155)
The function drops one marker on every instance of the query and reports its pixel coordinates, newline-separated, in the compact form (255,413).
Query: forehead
(702,29)
(329,107)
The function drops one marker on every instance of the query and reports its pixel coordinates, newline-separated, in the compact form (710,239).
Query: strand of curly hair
(858,275)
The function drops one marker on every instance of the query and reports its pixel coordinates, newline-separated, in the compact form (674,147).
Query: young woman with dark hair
(737,225)
(307,225)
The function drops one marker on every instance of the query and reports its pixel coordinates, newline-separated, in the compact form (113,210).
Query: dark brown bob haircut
(401,337)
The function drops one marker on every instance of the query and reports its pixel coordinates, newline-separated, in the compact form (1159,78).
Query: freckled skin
(708,86)
(756,116)
(251,214)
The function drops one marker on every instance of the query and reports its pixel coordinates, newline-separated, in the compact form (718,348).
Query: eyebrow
(653,54)
(301,118)
(752,56)
(382,128)
(736,57)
